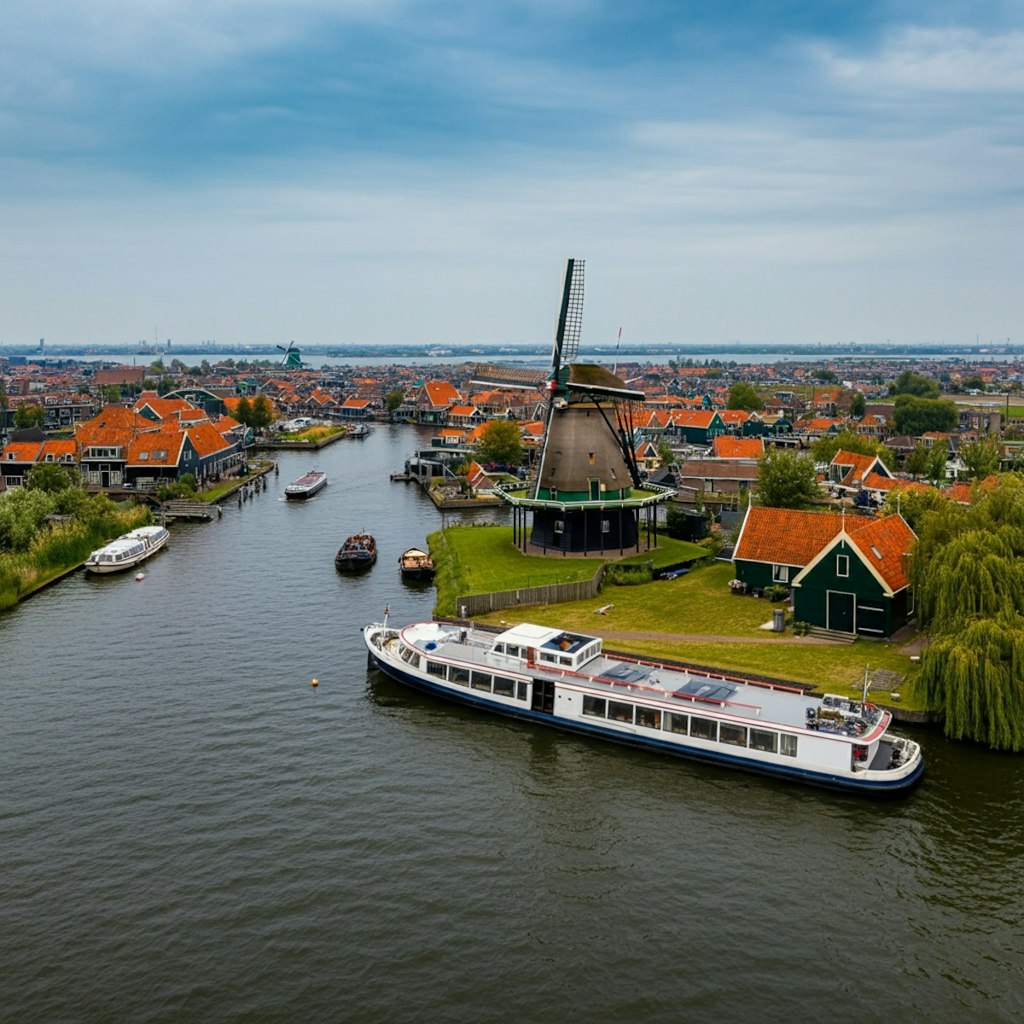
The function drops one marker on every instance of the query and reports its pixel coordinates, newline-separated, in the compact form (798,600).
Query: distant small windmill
(292,356)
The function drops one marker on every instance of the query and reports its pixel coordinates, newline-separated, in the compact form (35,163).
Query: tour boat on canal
(416,564)
(128,550)
(564,679)
(306,486)
(357,553)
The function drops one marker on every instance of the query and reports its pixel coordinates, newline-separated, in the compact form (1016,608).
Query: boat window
(650,718)
(522,693)
(620,711)
(594,706)
(678,723)
(482,681)
(565,661)
(499,648)
(734,734)
(458,675)
(762,739)
(409,655)
(704,728)
(787,744)
(504,686)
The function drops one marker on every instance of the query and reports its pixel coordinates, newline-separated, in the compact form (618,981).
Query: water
(190,831)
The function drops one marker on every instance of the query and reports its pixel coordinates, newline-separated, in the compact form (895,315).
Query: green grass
(701,605)
(482,559)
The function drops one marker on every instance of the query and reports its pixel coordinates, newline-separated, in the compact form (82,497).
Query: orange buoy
(315,683)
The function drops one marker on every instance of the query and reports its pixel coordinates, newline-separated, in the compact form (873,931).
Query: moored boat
(306,486)
(128,550)
(357,553)
(416,565)
(564,679)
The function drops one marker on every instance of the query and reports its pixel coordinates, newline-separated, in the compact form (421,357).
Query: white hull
(128,550)
(565,680)
(306,486)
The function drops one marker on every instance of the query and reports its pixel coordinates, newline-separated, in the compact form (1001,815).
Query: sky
(393,172)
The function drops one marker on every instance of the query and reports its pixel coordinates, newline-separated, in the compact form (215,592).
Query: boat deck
(621,677)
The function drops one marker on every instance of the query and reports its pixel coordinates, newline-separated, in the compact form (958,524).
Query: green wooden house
(845,573)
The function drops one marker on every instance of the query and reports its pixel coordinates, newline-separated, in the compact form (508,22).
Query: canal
(190,831)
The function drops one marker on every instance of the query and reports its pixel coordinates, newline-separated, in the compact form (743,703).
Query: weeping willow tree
(968,572)
(976,676)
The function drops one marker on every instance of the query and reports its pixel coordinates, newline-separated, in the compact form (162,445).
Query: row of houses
(154,442)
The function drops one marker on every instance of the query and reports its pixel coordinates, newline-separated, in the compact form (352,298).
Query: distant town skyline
(399,173)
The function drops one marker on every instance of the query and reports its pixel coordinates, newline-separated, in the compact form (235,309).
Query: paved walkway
(809,641)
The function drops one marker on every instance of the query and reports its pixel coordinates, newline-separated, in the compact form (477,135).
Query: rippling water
(190,831)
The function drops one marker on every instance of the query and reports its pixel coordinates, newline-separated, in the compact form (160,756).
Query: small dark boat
(357,553)
(416,565)
(306,486)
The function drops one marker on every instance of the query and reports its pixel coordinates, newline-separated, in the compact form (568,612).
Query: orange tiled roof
(785,536)
(728,447)
(885,544)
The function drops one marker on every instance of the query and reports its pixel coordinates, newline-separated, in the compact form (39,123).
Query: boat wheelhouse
(128,550)
(565,679)
(306,486)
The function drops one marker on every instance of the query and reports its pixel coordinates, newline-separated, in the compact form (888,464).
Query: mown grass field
(694,618)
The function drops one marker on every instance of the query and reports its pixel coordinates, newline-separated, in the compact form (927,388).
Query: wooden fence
(554,593)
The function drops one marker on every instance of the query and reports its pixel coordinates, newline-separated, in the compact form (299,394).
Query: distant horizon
(440,353)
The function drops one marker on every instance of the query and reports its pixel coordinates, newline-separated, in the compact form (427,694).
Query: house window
(842,565)
(780,573)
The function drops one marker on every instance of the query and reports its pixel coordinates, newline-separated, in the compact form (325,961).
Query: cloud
(949,61)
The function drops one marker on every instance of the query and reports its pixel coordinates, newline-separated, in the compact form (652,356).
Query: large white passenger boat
(564,679)
(128,550)
(306,486)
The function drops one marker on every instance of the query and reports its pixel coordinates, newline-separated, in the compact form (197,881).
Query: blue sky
(383,171)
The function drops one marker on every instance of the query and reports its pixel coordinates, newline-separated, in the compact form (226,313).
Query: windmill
(582,497)
(292,357)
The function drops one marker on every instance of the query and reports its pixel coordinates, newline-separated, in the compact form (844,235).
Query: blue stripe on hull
(819,779)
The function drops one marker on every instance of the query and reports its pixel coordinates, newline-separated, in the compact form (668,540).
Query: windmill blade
(570,316)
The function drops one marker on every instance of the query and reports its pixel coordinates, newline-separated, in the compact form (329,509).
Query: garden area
(693,618)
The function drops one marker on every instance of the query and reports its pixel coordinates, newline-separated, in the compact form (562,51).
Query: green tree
(3,396)
(500,442)
(29,416)
(743,395)
(825,448)
(786,479)
(394,400)
(827,376)
(262,413)
(51,477)
(974,383)
(111,394)
(858,405)
(908,383)
(981,457)
(913,503)
(967,569)
(243,411)
(917,416)
(938,456)
(916,463)
(665,453)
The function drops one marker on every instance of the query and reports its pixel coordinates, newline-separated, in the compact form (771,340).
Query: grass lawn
(700,604)
(482,559)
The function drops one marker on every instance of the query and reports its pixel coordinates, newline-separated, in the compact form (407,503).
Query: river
(189,830)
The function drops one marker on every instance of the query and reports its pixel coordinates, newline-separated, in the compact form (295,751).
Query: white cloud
(927,60)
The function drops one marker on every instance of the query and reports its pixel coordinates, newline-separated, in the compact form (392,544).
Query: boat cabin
(546,646)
